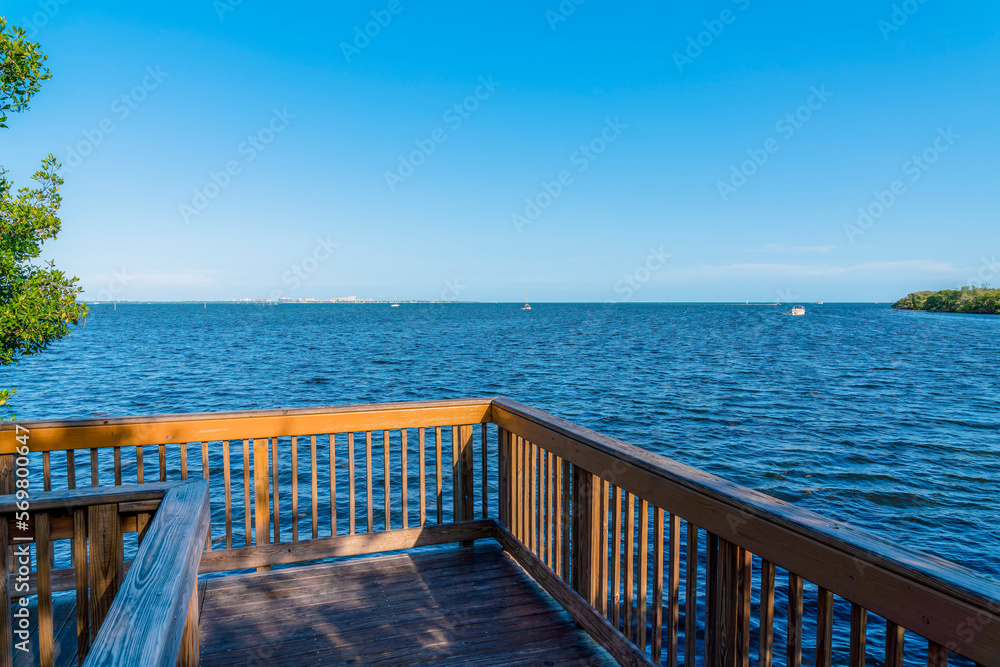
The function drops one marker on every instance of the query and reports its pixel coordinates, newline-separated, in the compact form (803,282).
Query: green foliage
(37,301)
(21,70)
(973,300)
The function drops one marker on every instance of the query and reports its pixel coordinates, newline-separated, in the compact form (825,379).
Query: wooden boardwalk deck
(467,606)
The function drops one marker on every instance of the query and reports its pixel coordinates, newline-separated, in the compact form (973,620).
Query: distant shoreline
(968,300)
(376,302)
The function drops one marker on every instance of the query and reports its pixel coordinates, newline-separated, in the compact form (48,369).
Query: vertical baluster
(204,475)
(184,461)
(70,469)
(602,553)
(673,588)
(859,631)
(386,477)
(163,463)
(118,466)
(533,499)
(594,551)
(350,482)
(656,640)
(331,439)
(824,628)
(47,471)
(744,589)
(228,491)
(711,599)
(567,493)
(467,474)
(484,501)
(43,558)
(406,481)
(766,623)
(95,468)
(550,481)
(629,593)
(894,635)
(423,476)
(139,460)
(368,471)
(691,595)
(440,475)
(558,511)
(727,637)
(794,620)
(642,574)
(937,655)
(314,487)
(246,488)
(82,587)
(275,491)
(616,554)
(295,488)
(522,490)
(456,484)
(542,504)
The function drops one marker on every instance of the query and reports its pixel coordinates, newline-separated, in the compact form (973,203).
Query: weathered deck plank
(453,606)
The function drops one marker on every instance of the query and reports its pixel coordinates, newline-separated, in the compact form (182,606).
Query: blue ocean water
(887,420)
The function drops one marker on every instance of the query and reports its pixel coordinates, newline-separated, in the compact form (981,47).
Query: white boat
(527,306)
(394,304)
(798,310)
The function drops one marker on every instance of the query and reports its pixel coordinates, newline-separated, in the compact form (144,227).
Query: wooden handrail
(146,623)
(161,429)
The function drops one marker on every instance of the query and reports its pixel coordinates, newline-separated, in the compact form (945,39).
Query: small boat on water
(798,310)
(527,306)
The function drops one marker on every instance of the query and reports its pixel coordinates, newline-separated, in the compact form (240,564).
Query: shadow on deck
(464,606)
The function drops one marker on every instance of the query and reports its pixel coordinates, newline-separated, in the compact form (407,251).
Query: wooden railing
(288,485)
(166,517)
(629,530)
(662,563)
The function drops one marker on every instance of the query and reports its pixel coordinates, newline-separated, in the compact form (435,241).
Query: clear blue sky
(309,211)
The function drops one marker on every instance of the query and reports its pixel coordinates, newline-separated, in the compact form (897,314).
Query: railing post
(262,496)
(189,655)
(106,560)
